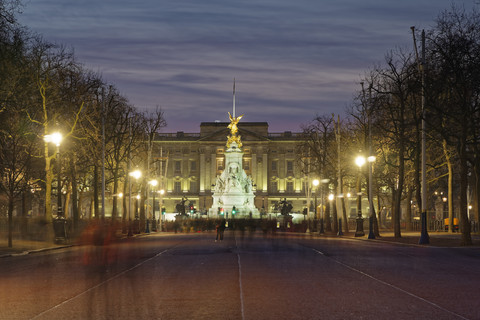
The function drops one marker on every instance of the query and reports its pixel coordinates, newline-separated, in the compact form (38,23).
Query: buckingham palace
(189,163)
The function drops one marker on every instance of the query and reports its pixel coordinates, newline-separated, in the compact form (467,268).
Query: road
(246,276)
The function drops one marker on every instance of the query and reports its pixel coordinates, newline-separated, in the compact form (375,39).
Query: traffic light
(191,209)
(163,210)
(304,211)
(234,210)
(221,211)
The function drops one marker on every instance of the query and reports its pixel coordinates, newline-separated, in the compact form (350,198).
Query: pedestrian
(220,230)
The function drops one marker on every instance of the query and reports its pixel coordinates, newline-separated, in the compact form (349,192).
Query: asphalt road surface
(246,276)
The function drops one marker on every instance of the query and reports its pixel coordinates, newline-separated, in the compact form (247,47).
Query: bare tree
(454,65)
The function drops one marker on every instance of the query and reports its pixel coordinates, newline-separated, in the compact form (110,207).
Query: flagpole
(233,114)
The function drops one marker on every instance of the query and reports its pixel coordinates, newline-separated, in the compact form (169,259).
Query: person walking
(220,230)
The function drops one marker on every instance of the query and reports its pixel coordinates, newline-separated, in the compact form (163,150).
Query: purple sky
(291,59)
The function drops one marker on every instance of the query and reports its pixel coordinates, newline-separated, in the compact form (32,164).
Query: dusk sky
(291,60)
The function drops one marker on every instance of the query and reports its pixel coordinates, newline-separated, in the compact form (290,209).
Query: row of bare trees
(43,89)
(389,107)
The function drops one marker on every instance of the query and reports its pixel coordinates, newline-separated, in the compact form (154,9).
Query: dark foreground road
(247,276)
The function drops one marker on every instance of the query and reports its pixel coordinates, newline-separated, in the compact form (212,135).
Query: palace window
(193,186)
(290,167)
(290,186)
(177,166)
(274,165)
(193,166)
(177,186)
(274,187)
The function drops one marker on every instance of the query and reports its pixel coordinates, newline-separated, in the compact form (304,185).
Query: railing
(178,135)
(285,135)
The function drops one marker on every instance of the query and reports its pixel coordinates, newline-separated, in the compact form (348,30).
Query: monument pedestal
(233,188)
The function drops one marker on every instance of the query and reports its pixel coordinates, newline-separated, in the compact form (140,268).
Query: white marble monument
(233,188)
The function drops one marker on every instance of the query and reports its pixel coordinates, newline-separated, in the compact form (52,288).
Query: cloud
(292,59)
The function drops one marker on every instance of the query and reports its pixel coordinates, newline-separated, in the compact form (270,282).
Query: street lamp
(59,223)
(263,206)
(371,234)
(320,183)
(134,174)
(315,183)
(153,183)
(160,203)
(359,161)
(56,138)
(445,214)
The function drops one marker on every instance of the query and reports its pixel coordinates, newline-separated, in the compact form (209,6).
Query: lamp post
(153,183)
(263,206)
(134,174)
(160,203)
(371,233)
(56,138)
(331,196)
(359,161)
(445,213)
(59,223)
(315,183)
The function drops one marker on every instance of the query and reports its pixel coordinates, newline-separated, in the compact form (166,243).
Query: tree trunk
(408,215)
(344,214)
(380,210)
(115,195)
(11,200)
(450,187)
(142,206)
(125,209)
(74,194)
(328,221)
(359,195)
(96,209)
(335,218)
(68,197)
(376,229)
(476,194)
(48,186)
(464,222)
(23,224)
(398,197)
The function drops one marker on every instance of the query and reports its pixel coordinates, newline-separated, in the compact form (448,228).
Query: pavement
(437,239)
(24,247)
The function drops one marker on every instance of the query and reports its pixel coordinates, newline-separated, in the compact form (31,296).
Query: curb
(24,253)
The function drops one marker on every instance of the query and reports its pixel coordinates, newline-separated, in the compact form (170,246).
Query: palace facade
(190,162)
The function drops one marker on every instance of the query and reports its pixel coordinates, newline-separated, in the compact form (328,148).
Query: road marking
(240,281)
(395,287)
(99,285)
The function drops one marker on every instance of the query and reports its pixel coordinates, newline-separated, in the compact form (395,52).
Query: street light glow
(316,182)
(153,183)
(136,174)
(55,138)
(162,191)
(331,196)
(360,161)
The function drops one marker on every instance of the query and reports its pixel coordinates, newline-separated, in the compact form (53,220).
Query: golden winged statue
(233,131)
